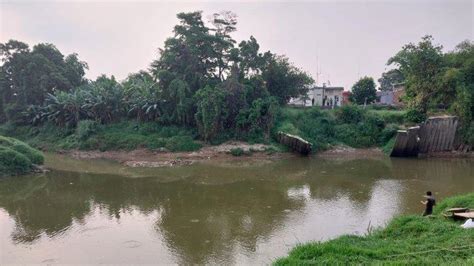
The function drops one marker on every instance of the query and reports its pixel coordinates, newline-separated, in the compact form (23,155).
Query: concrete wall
(436,134)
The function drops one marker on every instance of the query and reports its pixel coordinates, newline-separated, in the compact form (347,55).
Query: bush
(182,143)
(86,128)
(350,114)
(33,155)
(237,152)
(387,133)
(415,116)
(13,162)
(17,157)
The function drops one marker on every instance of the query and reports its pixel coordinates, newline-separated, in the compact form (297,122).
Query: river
(99,211)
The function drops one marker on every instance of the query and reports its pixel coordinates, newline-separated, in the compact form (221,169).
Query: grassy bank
(89,135)
(407,240)
(16,157)
(352,126)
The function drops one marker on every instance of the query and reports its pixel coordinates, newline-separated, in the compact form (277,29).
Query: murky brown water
(101,212)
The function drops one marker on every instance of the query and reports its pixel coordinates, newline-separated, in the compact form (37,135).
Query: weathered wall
(406,143)
(295,143)
(436,134)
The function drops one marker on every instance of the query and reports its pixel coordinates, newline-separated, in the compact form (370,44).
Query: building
(393,97)
(398,94)
(385,97)
(326,97)
(346,97)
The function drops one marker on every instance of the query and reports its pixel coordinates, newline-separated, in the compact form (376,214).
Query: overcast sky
(346,39)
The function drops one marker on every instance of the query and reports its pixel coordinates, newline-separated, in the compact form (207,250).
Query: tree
(422,66)
(211,111)
(363,91)
(389,79)
(28,76)
(285,81)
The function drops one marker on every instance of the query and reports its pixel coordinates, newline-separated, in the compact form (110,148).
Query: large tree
(201,54)
(27,76)
(285,81)
(363,91)
(422,66)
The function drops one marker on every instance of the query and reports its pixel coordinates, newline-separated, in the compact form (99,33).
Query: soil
(149,158)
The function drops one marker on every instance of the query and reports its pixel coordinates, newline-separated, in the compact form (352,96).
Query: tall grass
(349,125)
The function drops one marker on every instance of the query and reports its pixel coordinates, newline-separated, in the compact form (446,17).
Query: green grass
(407,240)
(88,135)
(17,157)
(349,125)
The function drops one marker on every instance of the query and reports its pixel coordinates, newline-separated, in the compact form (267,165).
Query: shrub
(237,151)
(155,143)
(86,128)
(17,157)
(350,114)
(33,155)
(13,162)
(182,143)
(414,115)
(387,134)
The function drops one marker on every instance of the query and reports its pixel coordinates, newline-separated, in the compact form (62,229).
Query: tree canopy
(201,78)
(27,75)
(363,91)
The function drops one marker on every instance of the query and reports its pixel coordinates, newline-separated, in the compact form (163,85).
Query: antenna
(318,70)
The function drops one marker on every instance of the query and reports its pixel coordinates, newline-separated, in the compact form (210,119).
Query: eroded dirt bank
(149,158)
(219,153)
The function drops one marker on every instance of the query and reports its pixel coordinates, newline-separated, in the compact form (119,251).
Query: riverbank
(155,158)
(17,157)
(405,240)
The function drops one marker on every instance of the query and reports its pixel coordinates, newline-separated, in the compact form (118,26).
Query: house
(392,97)
(326,97)
(398,94)
(385,97)
(346,97)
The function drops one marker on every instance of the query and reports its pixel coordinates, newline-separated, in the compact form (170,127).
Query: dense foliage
(363,91)
(436,80)
(27,76)
(349,125)
(407,240)
(202,79)
(206,83)
(17,157)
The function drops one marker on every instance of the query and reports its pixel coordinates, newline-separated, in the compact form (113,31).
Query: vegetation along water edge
(406,240)
(17,157)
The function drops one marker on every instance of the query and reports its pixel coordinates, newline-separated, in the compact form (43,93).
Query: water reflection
(209,213)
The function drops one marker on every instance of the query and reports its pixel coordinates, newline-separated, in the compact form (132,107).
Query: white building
(326,97)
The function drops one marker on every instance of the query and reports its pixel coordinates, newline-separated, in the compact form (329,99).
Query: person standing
(429,203)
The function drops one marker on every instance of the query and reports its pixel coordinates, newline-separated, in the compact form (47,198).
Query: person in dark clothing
(429,203)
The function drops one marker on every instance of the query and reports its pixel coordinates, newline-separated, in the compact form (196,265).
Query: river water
(228,213)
